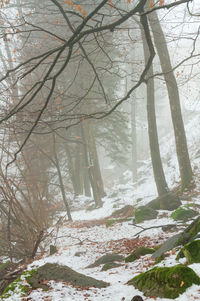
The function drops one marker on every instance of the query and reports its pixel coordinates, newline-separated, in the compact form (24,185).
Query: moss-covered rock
(168,201)
(111,265)
(110,222)
(56,272)
(108,258)
(191,252)
(191,205)
(20,285)
(166,282)
(141,251)
(160,258)
(143,213)
(182,213)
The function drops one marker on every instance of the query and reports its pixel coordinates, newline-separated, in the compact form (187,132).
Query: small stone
(137,298)
(53,250)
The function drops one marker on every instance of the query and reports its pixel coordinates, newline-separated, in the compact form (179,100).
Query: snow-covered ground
(93,241)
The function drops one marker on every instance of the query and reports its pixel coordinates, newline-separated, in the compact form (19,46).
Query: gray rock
(137,298)
(108,258)
(168,245)
(56,272)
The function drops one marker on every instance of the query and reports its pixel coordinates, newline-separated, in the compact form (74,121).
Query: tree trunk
(91,170)
(134,139)
(173,93)
(158,172)
(78,170)
(97,169)
(62,188)
(70,167)
(86,178)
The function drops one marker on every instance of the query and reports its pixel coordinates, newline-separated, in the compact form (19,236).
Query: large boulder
(165,282)
(144,213)
(191,252)
(56,272)
(168,201)
(184,214)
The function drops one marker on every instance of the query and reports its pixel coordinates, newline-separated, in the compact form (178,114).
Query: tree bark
(158,171)
(134,139)
(174,99)
(62,188)
(86,178)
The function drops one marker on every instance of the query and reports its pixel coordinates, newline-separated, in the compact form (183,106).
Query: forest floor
(89,236)
(92,239)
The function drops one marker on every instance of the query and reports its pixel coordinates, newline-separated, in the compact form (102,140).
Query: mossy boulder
(165,282)
(111,265)
(20,285)
(56,272)
(168,201)
(108,258)
(144,213)
(191,252)
(141,251)
(184,214)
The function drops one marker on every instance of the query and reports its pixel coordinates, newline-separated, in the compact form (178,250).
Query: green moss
(166,282)
(190,232)
(110,222)
(5,265)
(160,258)
(191,252)
(18,284)
(110,265)
(139,252)
(143,213)
(182,213)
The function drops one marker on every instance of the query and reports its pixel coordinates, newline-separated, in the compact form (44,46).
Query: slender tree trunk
(90,162)
(173,93)
(97,169)
(62,188)
(78,170)
(134,139)
(159,175)
(85,163)
(70,167)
